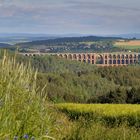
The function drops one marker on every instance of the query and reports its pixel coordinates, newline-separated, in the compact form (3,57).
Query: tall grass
(96,131)
(23,113)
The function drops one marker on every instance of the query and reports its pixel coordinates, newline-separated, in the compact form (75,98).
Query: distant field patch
(88,43)
(133,44)
(106,113)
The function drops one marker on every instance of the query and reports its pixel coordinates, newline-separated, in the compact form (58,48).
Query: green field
(102,121)
(131,45)
(88,43)
(127,47)
(107,113)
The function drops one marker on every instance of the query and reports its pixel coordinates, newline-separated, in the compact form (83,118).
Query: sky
(98,17)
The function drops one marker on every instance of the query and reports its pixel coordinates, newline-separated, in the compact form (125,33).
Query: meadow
(131,45)
(102,121)
(110,114)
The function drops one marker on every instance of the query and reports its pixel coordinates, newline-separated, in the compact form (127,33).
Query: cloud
(53,16)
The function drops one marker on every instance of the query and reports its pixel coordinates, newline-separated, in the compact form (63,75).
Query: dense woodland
(70,81)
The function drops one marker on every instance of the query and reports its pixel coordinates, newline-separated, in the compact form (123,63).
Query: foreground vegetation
(26,100)
(24,113)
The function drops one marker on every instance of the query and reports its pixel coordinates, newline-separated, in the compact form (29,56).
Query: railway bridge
(100,59)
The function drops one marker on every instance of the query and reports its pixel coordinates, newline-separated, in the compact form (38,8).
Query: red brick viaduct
(100,59)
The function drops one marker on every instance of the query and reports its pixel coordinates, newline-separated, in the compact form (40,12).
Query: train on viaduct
(100,59)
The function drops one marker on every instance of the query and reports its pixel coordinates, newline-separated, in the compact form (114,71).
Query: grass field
(88,43)
(102,121)
(134,44)
(112,114)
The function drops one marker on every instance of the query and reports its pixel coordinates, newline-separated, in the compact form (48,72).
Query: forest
(71,81)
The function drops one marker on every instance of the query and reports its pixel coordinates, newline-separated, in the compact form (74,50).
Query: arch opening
(99,59)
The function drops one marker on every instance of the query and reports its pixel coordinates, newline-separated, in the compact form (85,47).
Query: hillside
(72,44)
(72,81)
(4,45)
(69,40)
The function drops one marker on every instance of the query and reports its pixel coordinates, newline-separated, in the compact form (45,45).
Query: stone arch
(60,55)
(74,56)
(126,56)
(65,56)
(99,59)
(79,56)
(135,56)
(106,56)
(70,56)
(122,56)
(114,59)
(122,61)
(127,61)
(93,56)
(114,56)
(131,61)
(84,56)
(130,56)
(88,56)
(118,61)
(118,56)
(110,56)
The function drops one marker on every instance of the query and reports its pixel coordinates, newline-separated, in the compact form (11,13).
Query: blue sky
(70,16)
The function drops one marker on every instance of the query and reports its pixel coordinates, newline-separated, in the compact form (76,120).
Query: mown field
(133,44)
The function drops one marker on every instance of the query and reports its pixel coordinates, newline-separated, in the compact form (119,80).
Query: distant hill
(68,40)
(21,38)
(3,45)
(129,36)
